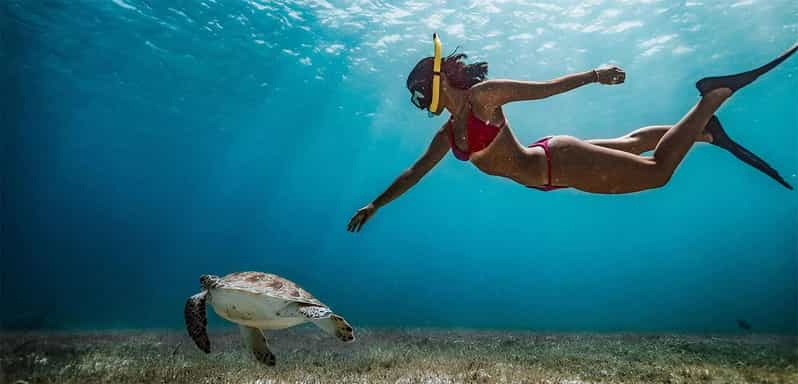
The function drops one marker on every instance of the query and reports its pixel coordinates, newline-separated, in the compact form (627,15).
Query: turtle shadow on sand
(258,302)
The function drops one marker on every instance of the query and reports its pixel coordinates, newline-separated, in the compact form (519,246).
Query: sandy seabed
(403,356)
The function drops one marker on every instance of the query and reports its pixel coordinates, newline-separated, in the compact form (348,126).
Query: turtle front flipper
(255,341)
(329,322)
(197,321)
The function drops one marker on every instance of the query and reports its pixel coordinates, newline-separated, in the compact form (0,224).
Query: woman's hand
(361,216)
(610,75)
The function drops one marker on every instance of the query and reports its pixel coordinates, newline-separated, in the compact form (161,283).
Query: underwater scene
(372,191)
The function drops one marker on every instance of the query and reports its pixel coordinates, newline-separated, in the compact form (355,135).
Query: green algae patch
(399,356)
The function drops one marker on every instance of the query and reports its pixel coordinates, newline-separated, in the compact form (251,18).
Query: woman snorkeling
(477,131)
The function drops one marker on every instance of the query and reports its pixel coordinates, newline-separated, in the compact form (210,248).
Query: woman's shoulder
(483,95)
(479,88)
(480,93)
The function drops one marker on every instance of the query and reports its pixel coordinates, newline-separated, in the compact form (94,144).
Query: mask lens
(418,99)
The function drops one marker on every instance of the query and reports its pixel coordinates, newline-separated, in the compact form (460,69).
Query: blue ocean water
(145,143)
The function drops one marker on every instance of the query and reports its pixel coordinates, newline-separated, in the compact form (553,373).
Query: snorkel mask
(422,97)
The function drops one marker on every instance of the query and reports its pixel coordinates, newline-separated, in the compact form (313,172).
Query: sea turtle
(257,302)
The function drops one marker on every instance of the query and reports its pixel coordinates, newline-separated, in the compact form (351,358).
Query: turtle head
(209,281)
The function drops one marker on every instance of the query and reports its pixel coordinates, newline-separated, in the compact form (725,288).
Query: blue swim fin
(721,139)
(735,82)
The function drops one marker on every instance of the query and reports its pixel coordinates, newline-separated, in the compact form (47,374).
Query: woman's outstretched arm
(434,153)
(499,92)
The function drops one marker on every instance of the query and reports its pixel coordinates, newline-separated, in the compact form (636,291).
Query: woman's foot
(721,139)
(735,82)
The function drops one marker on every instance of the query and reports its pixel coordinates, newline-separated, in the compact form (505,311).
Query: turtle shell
(260,283)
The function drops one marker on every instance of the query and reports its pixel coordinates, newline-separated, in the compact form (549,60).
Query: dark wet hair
(458,73)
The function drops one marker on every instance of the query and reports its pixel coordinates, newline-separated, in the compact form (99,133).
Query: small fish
(743,324)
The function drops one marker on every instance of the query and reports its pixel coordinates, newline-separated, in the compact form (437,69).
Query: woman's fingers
(353,222)
(613,75)
(618,77)
(363,220)
(361,216)
(357,221)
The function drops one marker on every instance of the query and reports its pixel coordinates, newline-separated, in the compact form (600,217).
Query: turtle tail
(197,321)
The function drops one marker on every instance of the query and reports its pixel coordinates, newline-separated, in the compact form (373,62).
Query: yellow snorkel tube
(436,74)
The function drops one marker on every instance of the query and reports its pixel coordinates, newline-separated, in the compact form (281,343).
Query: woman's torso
(504,155)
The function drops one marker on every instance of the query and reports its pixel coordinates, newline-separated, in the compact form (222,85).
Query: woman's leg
(642,140)
(674,145)
(645,139)
(593,168)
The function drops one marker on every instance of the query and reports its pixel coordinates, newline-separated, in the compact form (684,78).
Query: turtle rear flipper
(255,341)
(197,321)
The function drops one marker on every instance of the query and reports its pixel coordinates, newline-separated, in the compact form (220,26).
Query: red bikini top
(479,135)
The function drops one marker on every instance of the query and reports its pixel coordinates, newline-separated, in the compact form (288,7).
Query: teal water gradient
(146,143)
